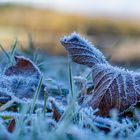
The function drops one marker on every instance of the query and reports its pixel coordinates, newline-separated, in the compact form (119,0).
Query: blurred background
(112,25)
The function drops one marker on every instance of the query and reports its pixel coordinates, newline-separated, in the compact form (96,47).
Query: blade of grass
(70,76)
(70,109)
(10,56)
(8,104)
(5,52)
(30,42)
(45,102)
(13,49)
(40,64)
(88,75)
(36,95)
(35,56)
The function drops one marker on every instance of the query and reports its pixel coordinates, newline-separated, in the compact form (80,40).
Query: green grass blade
(5,52)
(36,95)
(88,75)
(70,77)
(35,56)
(45,102)
(30,42)
(70,109)
(7,105)
(13,48)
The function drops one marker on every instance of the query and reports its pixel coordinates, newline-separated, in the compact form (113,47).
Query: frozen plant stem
(4,51)
(13,50)
(70,77)
(8,104)
(45,101)
(10,55)
(36,95)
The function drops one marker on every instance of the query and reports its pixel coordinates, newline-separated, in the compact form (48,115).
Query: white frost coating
(20,81)
(113,87)
(79,47)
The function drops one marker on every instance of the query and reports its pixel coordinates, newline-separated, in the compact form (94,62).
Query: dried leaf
(11,125)
(22,67)
(113,87)
(20,80)
(57,112)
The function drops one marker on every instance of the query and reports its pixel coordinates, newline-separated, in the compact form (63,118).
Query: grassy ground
(68,120)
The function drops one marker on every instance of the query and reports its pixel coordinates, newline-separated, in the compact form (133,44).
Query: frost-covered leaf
(82,51)
(23,66)
(113,87)
(20,80)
